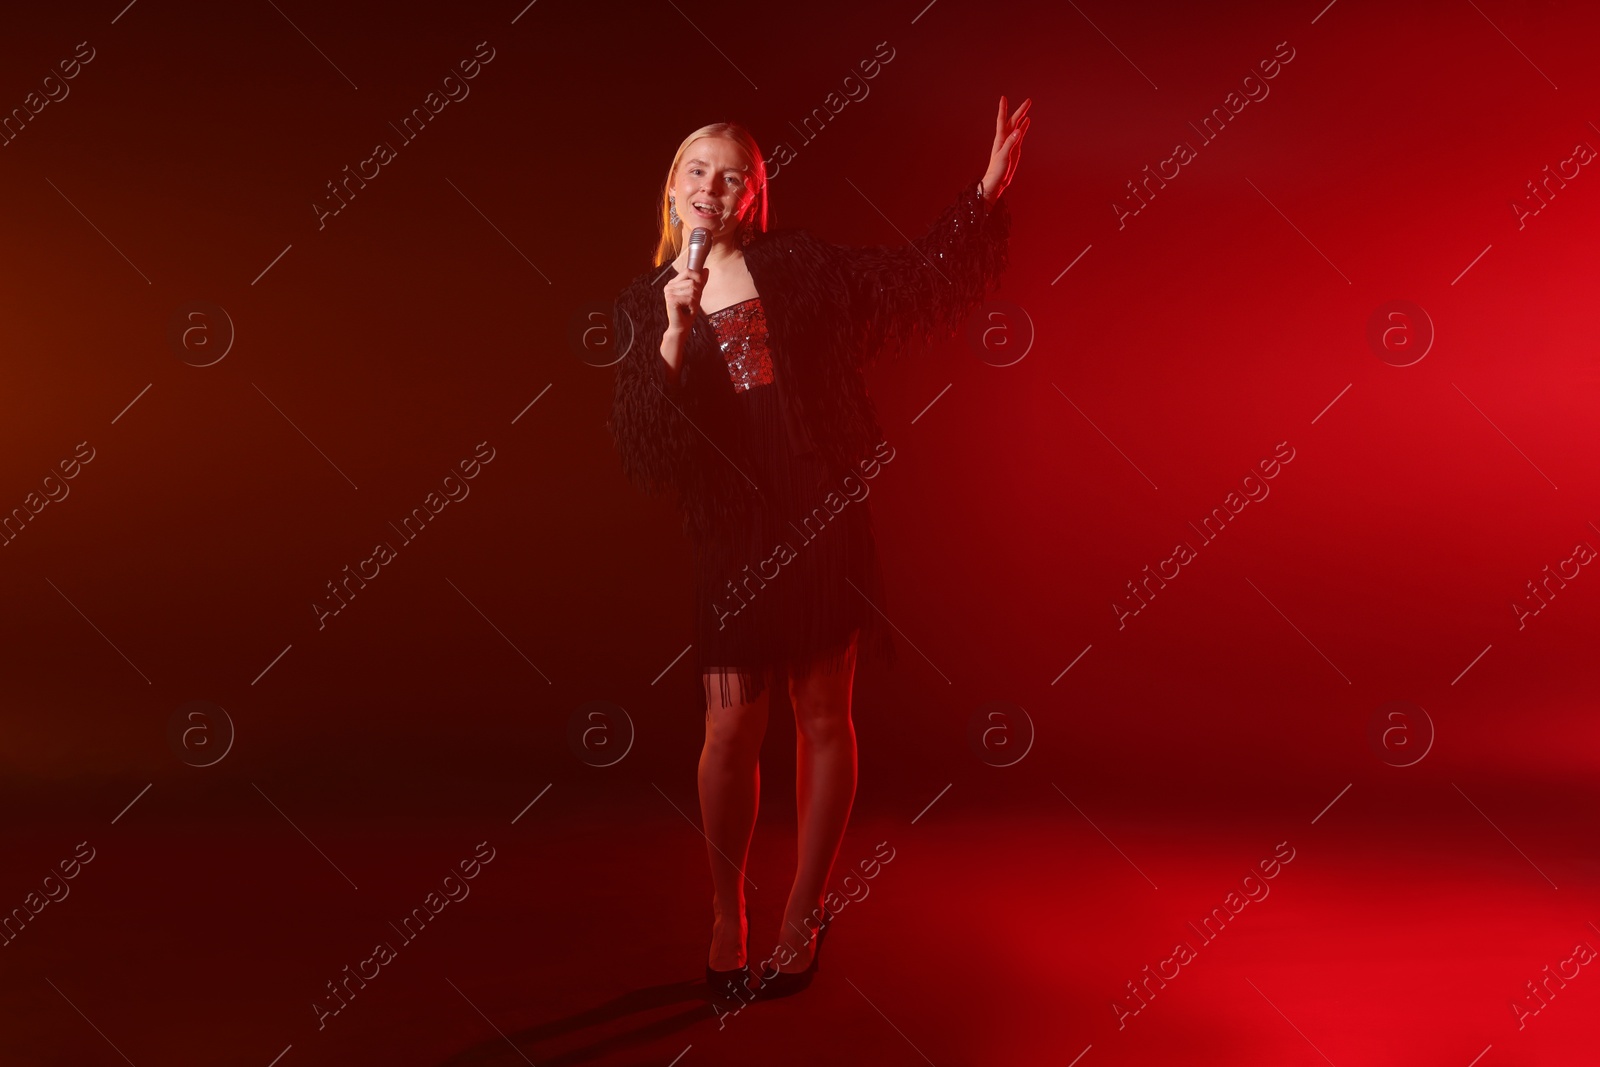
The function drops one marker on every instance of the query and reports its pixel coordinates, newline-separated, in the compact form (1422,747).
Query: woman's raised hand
(1008,134)
(683,298)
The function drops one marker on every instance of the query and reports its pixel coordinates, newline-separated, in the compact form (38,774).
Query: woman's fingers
(1004,126)
(1020,120)
(1013,152)
(683,293)
(1016,142)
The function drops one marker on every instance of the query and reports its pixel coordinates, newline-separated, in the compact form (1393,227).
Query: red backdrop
(1351,248)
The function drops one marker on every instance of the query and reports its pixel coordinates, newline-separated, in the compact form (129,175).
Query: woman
(741,392)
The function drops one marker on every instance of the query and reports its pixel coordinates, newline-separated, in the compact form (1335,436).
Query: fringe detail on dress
(917,294)
(652,435)
(678,441)
(749,684)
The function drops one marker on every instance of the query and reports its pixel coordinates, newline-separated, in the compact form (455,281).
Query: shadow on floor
(524,1045)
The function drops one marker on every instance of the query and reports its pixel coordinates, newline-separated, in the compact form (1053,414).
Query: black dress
(769,439)
(787,588)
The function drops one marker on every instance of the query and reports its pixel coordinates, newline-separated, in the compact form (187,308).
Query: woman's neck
(720,253)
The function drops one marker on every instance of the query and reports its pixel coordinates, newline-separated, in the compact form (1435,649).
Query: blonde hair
(671,240)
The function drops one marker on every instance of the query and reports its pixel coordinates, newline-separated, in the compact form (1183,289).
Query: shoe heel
(822,933)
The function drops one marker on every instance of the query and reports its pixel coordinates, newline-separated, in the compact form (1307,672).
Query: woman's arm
(905,298)
(647,419)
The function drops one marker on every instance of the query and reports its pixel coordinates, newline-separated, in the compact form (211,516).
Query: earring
(672,211)
(747,236)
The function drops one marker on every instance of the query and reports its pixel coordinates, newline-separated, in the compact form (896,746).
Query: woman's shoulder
(795,246)
(784,238)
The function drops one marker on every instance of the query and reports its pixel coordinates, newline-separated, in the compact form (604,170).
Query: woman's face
(713,186)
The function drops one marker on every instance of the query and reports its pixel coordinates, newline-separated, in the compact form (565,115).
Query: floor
(1368,927)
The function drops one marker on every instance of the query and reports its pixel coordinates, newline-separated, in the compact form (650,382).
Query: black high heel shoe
(729,984)
(785,984)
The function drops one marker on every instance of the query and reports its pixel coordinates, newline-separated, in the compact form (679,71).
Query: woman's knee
(821,697)
(823,717)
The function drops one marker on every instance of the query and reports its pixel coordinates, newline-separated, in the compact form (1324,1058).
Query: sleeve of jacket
(647,419)
(904,298)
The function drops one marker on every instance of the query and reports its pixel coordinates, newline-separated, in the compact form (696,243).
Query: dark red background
(1176,353)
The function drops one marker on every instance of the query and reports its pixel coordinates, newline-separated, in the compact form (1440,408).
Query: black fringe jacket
(830,312)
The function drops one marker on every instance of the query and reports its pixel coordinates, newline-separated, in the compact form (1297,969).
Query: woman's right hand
(682,295)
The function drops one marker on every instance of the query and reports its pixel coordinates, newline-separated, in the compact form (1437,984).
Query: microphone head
(699,244)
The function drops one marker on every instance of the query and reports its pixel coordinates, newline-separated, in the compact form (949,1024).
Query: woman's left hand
(1008,134)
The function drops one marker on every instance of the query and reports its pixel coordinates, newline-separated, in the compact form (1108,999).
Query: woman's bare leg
(730,787)
(825,788)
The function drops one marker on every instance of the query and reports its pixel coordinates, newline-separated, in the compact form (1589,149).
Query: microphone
(699,245)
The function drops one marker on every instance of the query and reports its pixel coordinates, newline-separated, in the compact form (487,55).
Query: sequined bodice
(742,337)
